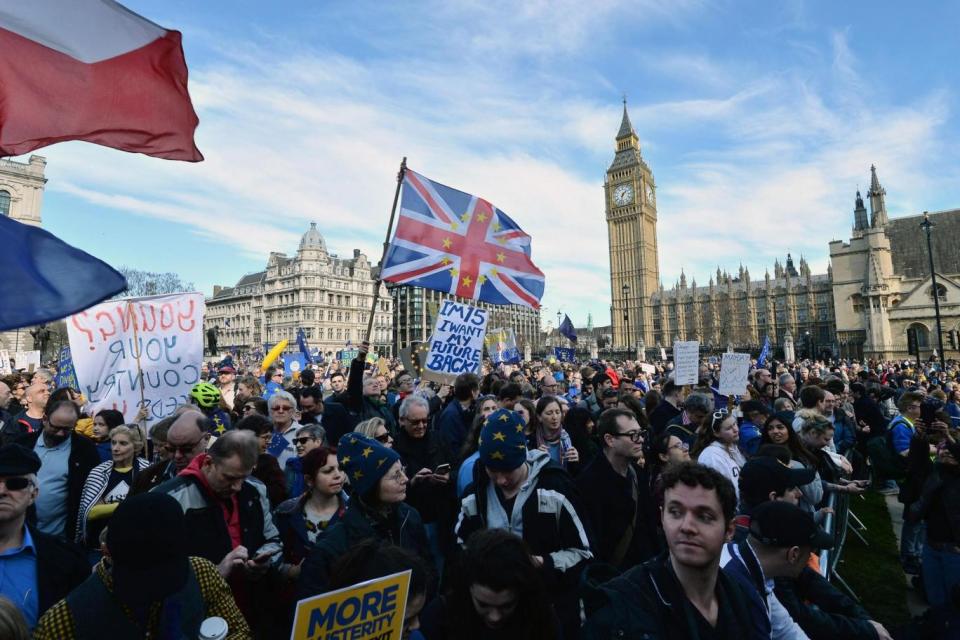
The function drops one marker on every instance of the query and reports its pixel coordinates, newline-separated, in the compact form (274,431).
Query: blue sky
(758,119)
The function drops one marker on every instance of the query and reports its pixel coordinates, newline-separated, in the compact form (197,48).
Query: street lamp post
(926,225)
(626,316)
(559,335)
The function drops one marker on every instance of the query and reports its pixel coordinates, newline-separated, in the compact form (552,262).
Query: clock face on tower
(623,194)
(650,193)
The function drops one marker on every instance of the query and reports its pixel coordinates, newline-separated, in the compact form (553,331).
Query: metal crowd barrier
(838,524)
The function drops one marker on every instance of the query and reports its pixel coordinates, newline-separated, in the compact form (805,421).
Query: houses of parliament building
(875,297)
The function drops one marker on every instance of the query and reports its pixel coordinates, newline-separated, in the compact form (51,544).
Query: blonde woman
(376,429)
(109,483)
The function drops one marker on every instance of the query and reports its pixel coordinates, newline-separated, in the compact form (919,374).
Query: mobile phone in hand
(442,469)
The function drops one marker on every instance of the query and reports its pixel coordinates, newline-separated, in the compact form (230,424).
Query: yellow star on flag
(481,279)
(502,240)
(497,455)
(519,428)
(493,272)
(445,260)
(501,256)
(496,225)
(454,272)
(447,242)
(467,281)
(366,452)
(482,217)
(454,225)
(357,474)
(380,463)
(345,461)
(521,446)
(505,418)
(465,217)
(499,435)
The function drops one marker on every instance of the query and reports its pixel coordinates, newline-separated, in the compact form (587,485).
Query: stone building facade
(415,312)
(731,310)
(883,290)
(326,295)
(21,198)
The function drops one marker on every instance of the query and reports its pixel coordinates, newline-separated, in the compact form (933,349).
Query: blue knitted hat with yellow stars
(503,445)
(364,461)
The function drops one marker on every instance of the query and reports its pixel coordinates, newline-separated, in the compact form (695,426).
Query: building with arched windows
(882,288)
(329,297)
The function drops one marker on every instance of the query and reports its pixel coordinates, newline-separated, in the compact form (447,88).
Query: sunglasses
(384,438)
(183,449)
(16,484)
(718,415)
(282,408)
(304,440)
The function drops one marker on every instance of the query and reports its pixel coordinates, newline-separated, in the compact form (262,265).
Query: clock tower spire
(631,213)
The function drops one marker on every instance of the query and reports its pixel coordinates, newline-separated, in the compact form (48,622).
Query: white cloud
(759,163)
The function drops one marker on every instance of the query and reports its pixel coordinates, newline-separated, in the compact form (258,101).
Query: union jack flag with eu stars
(454,242)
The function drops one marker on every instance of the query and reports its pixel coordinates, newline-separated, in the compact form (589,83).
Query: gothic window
(921,333)
(857,301)
(329,333)
(941,292)
(4,203)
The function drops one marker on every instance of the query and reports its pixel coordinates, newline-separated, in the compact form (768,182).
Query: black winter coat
(61,567)
(609,508)
(648,603)
(403,527)
(835,616)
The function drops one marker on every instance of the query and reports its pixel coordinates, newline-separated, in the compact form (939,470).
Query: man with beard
(682,594)
(66,458)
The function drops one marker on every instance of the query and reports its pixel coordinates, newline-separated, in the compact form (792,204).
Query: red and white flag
(92,70)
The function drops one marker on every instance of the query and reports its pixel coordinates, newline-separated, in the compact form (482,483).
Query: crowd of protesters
(542,500)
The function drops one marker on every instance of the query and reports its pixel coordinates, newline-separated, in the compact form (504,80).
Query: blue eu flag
(567,330)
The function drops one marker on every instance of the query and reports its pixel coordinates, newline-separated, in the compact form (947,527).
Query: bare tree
(149,283)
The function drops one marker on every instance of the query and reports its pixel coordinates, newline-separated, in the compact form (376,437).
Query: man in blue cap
(36,569)
(524,492)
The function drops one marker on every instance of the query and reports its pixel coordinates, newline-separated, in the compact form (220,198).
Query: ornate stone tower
(631,208)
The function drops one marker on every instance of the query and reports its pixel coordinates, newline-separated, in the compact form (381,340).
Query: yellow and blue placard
(366,611)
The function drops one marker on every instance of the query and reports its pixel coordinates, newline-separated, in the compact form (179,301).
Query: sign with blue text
(457,343)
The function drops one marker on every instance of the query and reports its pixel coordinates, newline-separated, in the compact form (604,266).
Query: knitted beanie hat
(503,445)
(364,460)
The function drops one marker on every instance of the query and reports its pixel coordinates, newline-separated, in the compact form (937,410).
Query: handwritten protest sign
(66,374)
(138,352)
(502,345)
(564,354)
(27,360)
(734,368)
(370,610)
(686,362)
(457,343)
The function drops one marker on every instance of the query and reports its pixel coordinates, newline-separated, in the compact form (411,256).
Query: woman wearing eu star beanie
(376,510)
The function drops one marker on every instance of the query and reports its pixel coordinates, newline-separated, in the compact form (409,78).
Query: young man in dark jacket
(615,493)
(525,492)
(682,595)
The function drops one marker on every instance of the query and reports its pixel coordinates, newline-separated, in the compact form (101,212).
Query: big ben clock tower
(632,233)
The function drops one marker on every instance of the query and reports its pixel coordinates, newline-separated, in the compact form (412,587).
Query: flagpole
(386,247)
